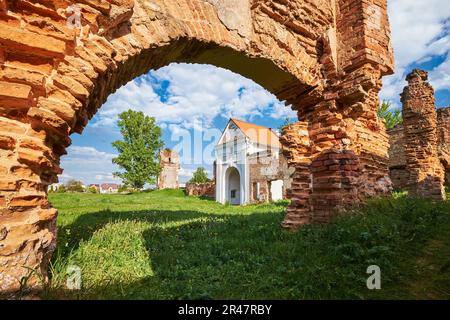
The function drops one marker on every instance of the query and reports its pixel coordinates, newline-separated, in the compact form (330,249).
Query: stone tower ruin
(170,168)
(419,148)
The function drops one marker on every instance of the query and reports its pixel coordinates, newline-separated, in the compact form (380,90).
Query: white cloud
(420,31)
(93,166)
(186,173)
(88,165)
(89,153)
(199,93)
(196,94)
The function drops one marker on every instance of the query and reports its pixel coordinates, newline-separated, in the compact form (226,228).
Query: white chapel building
(249,166)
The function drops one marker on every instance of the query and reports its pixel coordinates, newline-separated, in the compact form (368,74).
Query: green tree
(391,118)
(92,189)
(74,186)
(139,149)
(199,176)
(61,189)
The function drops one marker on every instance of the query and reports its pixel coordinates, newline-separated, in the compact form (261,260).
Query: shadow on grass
(85,225)
(195,255)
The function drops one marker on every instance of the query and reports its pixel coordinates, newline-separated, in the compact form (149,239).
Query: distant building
(249,166)
(170,168)
(109,188)
(55,187)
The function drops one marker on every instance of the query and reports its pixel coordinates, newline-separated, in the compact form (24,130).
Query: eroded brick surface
(443,116)
(422,141)
(419,148)
(59,62)
(207,189)
(170,167)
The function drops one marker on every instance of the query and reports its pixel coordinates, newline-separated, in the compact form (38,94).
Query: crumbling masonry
(170,168)
(419,152)
(59,61)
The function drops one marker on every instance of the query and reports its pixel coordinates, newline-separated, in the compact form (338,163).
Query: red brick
(20,39)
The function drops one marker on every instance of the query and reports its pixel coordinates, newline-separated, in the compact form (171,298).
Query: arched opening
(233,186)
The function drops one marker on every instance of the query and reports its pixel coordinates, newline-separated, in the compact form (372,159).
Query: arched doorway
(60,63)
(233,183)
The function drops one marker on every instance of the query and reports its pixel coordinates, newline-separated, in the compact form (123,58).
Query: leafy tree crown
(199,176)
(391,117)
(138,150)
(74,186)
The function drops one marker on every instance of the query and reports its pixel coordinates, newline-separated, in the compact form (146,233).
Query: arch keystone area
(60,61)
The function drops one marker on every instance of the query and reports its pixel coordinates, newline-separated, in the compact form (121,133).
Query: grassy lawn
(163,245)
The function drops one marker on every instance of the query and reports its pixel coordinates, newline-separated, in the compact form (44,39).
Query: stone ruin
(420,147)
(205,189)
(443,119)
(266,169)
(59,61)
(170,168)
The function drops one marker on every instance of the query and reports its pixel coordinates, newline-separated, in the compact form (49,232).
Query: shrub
(199,176)
(74,186)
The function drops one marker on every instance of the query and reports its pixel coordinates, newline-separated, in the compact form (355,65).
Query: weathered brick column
(348,143)
(397,161)
(296,148)
(443,116)
(349,153)
(28,163)
(426,173)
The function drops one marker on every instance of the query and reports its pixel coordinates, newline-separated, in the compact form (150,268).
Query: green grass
(163,245)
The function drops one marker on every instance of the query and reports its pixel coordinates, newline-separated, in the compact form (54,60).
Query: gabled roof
(110,185)
(257,134)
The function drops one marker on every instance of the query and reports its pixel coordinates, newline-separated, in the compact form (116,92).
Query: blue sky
(188,101)
(201,98)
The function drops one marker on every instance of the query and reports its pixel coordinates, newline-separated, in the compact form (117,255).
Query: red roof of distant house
(109,186)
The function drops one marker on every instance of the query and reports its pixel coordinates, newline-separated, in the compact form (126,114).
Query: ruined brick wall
(397,147)
(426,173)
(296,147)
(170,167)
(397,159)
(349,144)
(207,189)
(264,170)
(443,117)
(60,62)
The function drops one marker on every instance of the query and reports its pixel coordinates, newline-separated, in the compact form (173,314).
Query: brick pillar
(443,116)
(335,167)
(27,222)
(296,149)
(349,146)
(426,173)
(346,161)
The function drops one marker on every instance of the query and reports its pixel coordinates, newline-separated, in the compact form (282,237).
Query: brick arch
(326,58)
